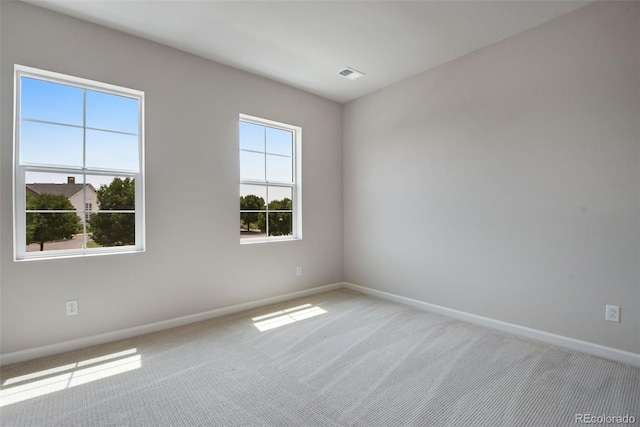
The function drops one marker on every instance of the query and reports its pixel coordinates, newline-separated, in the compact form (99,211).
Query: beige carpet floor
(338,358)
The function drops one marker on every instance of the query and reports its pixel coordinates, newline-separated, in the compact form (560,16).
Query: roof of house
(67,189)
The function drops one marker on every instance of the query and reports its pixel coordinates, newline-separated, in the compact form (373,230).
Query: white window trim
(19,175)
(296,203)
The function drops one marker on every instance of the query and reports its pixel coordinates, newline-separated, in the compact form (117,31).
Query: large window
(78,166)
(270,188)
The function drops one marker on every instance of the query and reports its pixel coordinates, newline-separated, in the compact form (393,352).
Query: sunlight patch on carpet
(97,368)
(287,316)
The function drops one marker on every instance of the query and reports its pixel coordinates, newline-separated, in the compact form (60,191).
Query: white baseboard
(48,350)
(571,343)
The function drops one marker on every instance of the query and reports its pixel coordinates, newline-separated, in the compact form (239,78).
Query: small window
(78,166)
(270,188)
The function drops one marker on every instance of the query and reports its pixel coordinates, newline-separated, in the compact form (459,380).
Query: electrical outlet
(613,313)
(298,271)
(72,308)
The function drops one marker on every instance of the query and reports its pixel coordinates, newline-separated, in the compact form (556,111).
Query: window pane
(111,192)
(279,168)
(53,102)
(252,166)
(110,150)
(252,224)
(66,187)
(49,144)
(279,142)
(108,229)
(280,198)
(112,112)
(251,137)
(280,224)
(52,231)
(252,197)
(258,190)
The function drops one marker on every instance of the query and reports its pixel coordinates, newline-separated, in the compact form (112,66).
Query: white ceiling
(305,43)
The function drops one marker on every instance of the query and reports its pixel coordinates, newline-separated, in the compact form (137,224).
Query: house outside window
(79,162)
(270,180)
(76,193)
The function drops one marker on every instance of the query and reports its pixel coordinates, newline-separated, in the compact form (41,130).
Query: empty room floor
(337,358)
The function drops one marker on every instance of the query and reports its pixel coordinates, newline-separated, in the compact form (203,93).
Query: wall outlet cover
(72,308)
(612,313)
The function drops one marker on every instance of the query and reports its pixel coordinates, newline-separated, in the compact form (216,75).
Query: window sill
(66,255)
(251,241)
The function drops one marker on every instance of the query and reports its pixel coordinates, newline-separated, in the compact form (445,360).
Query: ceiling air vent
(350,73)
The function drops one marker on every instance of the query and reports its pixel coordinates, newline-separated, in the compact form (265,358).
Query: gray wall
(194,261)
(506,183)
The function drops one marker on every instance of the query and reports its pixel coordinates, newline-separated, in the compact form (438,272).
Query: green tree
(115,229)
(47,227)
(280,222)
(255,203)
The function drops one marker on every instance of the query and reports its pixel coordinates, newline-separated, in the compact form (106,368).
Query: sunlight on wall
(100,369)
(285,317)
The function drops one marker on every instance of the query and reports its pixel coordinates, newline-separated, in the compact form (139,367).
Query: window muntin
(270,188)
(81,141)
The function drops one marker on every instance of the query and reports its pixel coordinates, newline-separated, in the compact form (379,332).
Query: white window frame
(296,186)
(20,170)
